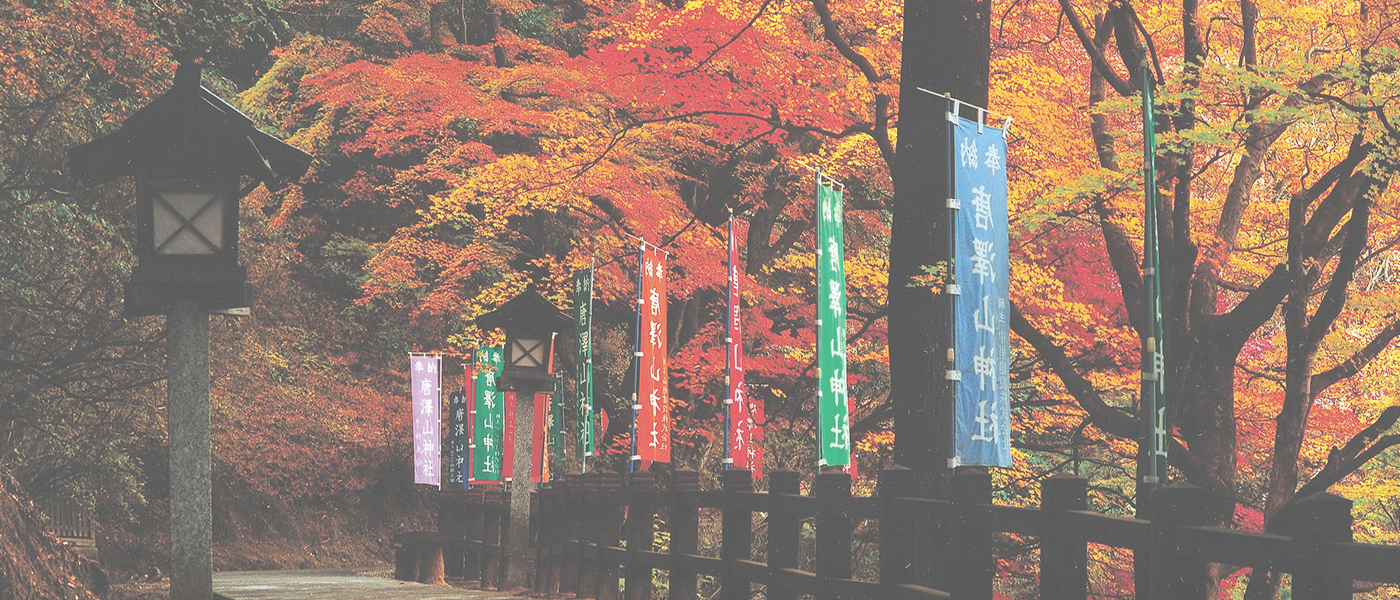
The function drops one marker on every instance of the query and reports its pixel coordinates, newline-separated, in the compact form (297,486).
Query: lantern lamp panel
(527,353)
(188,223)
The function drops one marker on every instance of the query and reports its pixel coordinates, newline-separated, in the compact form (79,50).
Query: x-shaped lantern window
(531,356)
(187,237)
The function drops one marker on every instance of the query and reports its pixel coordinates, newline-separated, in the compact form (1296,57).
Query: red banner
(745,413)
(469,377)
(653,386)
(508,437)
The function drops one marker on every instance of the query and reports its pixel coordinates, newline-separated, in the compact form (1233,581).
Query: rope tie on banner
(643,243)
(982,112)
(820,174)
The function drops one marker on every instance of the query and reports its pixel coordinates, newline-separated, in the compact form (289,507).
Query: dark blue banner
(982,411)
(456,447)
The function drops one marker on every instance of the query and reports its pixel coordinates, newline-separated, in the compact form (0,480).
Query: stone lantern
(531,323)
(194,157)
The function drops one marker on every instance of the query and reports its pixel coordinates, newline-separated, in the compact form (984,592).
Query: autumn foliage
(467,149)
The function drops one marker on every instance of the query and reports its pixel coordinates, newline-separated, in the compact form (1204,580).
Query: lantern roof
(530,311)
(194,128)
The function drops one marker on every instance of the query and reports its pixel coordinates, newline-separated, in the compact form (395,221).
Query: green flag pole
(1151,467)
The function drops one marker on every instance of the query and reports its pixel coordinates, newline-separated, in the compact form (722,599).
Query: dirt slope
(33,564)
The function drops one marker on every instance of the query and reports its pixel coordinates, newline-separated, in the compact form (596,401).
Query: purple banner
(425,377)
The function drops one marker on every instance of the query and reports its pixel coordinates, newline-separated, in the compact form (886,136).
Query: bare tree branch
(1123,87)
(1357,451)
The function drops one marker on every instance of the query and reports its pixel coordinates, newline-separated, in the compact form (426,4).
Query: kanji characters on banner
(833,416)
(469,378)
(539,437)
(583,365)
(508,437)
(982,409)
(489,418)
(456,446)
(745,449)
(427,424)
(653,419)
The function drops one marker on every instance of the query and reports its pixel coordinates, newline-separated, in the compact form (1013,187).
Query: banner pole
(821,460)
(1151,446)
(592,432)
(729,345)
(637,356)
(469,389)
(951,289)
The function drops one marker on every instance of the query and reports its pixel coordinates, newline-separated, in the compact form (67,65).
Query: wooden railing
(594,536)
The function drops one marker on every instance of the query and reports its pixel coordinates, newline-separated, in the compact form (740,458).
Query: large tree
(1274,165)
(920,398)
(73,373)
(474,149)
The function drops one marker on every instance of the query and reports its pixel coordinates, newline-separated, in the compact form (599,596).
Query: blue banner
(456,441)
(982,410)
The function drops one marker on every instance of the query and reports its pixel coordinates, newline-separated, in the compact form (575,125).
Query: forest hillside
(466,150)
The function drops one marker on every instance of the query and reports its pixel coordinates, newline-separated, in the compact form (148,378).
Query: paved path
(336,584)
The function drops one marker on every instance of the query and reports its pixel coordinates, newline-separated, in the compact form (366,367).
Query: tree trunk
(947,49)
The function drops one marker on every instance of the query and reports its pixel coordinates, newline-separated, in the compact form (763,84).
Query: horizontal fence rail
(602,536)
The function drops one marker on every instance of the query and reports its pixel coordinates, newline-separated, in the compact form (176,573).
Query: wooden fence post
(491,540)
(588,538)
(896,531)
(571,512)
(1063,552)
(545,533)
(534,542)
(1317,521)
(736,534)
(833,491)
(610,535)
(784,529)
(405,558)
(974,567)
(641,516)
(559,526)
(452,522)
(475,521)
(684,526)
(503,513)
(1178,576)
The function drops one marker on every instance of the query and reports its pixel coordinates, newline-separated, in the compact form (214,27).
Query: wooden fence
(595,536)
(66,519)
(72,524)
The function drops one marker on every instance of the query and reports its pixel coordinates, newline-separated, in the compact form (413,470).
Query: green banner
(832,412)
(583,365)
(1152,446)
(489,408)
